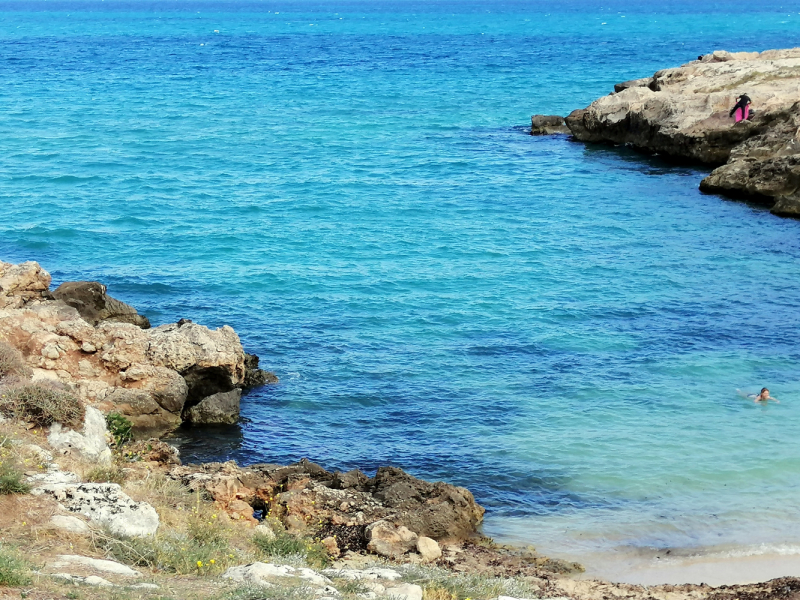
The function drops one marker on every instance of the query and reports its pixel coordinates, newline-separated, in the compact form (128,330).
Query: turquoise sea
(560,328)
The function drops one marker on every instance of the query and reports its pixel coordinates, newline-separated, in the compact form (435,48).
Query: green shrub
(11,479)
(11,362)
(14,571)
(284,544)
(42,405)
(120,428)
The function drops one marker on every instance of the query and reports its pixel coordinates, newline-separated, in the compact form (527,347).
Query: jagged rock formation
(683,113)
(390,511)
(75,338)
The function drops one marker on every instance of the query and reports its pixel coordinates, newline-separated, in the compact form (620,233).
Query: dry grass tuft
(11,363)
(41,405)
(445,585)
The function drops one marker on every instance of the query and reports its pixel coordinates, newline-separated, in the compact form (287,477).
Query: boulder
(684,113)
(548,125)
(105,504)
(428,549)
(390,540)
(94,305)
(221,408)
(91,445)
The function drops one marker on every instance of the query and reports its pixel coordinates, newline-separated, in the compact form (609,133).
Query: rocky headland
(100,349)
(682,113)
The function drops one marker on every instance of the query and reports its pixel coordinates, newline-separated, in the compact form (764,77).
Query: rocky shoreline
(80,481)
(682,113)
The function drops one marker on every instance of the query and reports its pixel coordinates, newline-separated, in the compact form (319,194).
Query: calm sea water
(560,328)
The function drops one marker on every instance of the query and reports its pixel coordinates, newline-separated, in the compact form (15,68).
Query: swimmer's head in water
(764,390)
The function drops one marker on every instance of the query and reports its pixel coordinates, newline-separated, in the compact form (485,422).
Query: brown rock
(548,125)
(90,299)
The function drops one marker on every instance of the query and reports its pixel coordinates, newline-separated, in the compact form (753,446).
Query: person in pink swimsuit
(741,111)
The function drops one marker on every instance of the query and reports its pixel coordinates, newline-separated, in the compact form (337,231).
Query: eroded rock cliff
(95,346)
(683,113)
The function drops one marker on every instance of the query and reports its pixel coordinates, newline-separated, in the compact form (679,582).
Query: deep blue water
(559,327)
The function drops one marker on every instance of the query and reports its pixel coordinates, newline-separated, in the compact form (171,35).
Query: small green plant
(14,571)
(11,479)
(284,544)
(11,362)
(42,405)
(120,428)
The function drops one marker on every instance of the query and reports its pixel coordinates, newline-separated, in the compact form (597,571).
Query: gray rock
(90,299)
(221,408)
(69,524)
(258,573)
(91,445)
(106,504)
(77,579)
(406,591)
(548,125)
(373,573)
(96,564)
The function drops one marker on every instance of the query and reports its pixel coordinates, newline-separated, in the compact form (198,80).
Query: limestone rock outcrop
(151,376)
(683,113)
(390,511)
(105,504)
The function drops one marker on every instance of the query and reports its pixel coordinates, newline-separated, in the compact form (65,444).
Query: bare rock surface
(105,504)
(90,445)
(95,564)
(69,524)
(80,338)
(259,573)
(683,113)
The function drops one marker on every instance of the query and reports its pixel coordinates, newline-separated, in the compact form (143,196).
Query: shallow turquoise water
(560,328)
